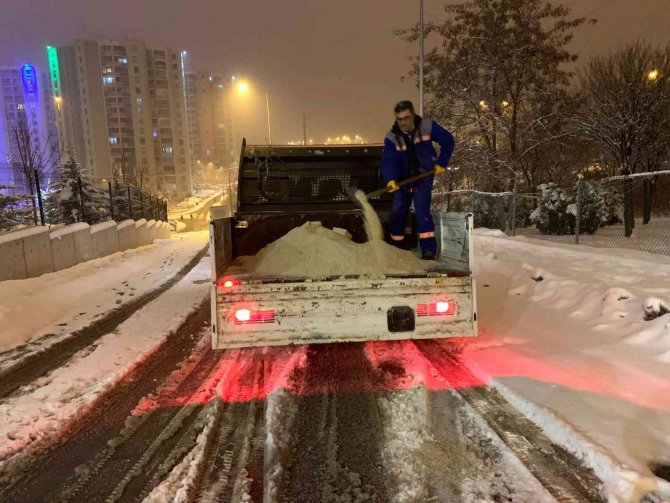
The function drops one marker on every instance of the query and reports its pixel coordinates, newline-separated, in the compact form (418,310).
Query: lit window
(123,60)
(109,69)
(21,106)
(155,133)
(139,101)
(167,150)
(108,80)
(113,140)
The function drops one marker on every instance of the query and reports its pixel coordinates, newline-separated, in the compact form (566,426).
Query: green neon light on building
(54,70)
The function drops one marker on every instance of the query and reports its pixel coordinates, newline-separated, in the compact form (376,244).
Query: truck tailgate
(343,309)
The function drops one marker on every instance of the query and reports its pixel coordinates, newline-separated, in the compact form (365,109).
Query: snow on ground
(581,333)
(69,391)
(195,203)
(62,302)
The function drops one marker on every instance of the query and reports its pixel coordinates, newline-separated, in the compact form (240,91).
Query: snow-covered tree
(496,79)
(73,198)
(593,211)
(623,107)
(8,210)
(552,213)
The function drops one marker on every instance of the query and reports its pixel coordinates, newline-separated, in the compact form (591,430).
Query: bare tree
(497,79)
(37,156)
(624,102)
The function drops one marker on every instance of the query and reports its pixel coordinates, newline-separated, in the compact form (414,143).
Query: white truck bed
(253,310)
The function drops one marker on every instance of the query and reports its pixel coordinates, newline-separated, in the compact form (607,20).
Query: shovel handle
(406,181)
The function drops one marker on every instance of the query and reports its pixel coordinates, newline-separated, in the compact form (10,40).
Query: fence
(129,202)
(115,202)
(619,212)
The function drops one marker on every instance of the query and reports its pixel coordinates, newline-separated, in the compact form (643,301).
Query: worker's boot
(399,243)
(428,248)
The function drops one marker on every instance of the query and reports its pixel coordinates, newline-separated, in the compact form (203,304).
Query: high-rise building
(26,110)
(166,81)
(121,110)
(210,128)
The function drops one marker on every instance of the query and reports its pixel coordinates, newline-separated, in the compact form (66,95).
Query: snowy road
(397,421)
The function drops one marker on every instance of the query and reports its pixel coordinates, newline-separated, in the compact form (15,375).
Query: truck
(283,187)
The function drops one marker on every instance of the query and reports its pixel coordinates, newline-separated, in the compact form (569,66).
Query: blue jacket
(395,164)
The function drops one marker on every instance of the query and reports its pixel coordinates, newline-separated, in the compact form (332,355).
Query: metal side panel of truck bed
(252,310)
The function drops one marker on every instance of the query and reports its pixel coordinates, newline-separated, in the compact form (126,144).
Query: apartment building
(211,136)
(26,107)
(121,110)
(171,150)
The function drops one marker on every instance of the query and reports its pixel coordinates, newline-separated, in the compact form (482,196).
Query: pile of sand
(313,251)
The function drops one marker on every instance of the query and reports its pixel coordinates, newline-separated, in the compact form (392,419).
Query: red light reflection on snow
(577,371)
(254,373)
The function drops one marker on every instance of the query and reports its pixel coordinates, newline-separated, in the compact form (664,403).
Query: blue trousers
(402,200)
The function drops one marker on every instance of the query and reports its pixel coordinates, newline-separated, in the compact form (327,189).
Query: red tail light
(248,317)
(438,308)
(229,283)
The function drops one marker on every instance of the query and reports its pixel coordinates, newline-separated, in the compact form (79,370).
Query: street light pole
(267,104)
(421,59)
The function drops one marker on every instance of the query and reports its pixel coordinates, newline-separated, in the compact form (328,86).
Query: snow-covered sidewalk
(57,304)
(581,333)
(44,409)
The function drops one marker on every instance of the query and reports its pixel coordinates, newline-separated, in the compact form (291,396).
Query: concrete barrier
(105,239)
(142,233)
(151,231)
(164,230)
(12,258)
(127,235)
(32,252)
(37,252)
(64,244)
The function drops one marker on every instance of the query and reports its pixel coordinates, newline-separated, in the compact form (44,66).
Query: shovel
(351,191)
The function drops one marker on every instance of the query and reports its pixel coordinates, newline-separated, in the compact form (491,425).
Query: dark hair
(404,105)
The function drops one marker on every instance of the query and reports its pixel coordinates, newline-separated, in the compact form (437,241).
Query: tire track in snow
(35,365)
(563,475)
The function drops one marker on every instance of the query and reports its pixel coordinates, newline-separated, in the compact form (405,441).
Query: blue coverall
(395,166)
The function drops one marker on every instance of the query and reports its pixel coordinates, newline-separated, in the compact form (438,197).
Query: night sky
(338,62)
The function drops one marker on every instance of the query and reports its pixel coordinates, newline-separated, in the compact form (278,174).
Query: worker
(409,151)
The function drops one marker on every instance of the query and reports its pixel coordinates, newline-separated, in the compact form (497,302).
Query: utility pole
(304,129)
(421,59)
(267,104)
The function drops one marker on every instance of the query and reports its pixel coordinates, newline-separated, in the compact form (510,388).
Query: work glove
(392,186)
(439,170)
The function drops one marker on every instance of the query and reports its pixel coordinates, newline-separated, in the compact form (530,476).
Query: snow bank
(45,408)
(313,251)
(58,304)
(582,334)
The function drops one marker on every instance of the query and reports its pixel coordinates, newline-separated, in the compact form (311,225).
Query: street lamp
(243,87)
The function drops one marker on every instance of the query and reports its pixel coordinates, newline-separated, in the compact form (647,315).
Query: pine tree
(73,198)
(8,210)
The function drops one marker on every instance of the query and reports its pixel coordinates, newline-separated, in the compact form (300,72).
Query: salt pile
(314,251)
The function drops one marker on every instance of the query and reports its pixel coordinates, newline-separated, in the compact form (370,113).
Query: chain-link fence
(619,212)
